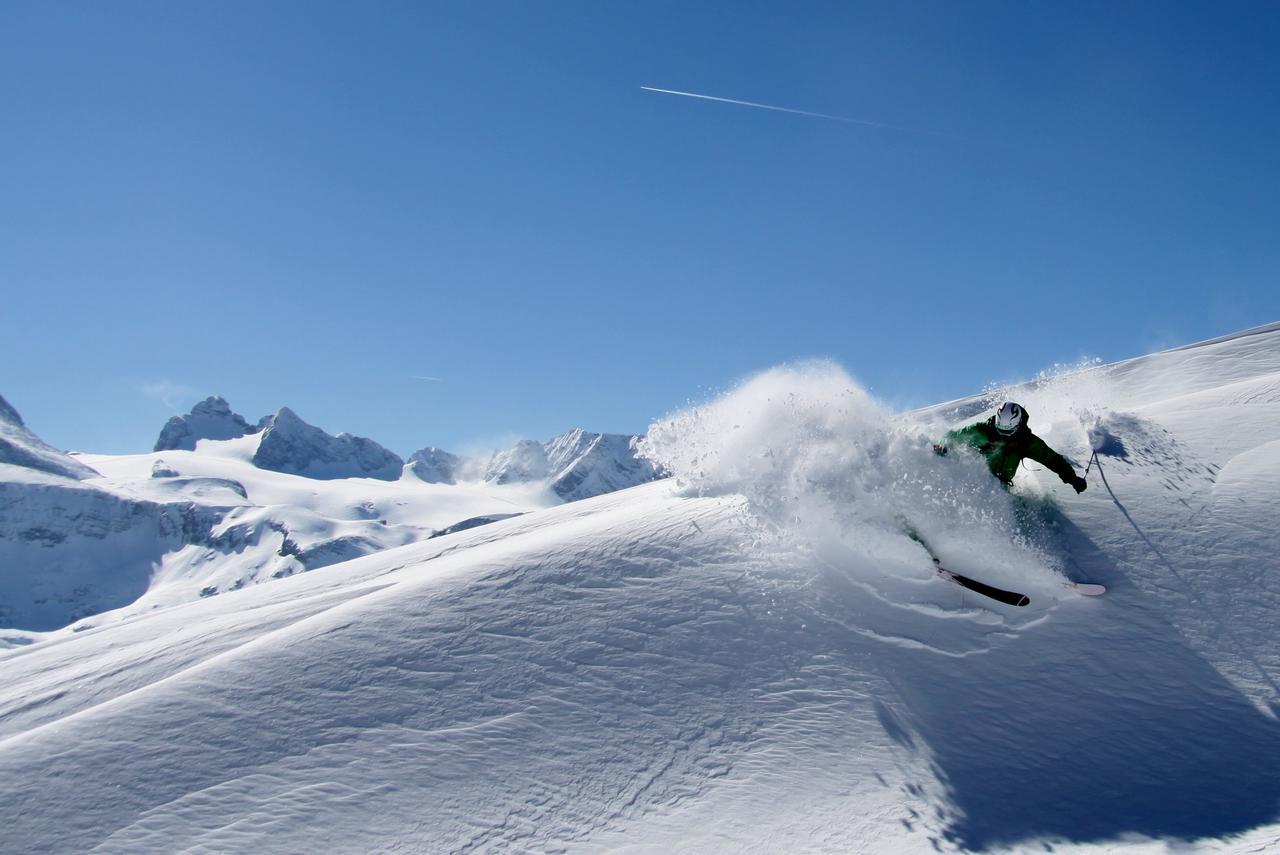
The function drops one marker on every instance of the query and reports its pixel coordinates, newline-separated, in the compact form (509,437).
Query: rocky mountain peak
(212,418)
(291,445)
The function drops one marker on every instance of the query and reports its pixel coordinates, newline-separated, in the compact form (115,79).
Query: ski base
(1010,598)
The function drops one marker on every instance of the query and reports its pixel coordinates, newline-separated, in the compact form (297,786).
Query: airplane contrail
(833,118)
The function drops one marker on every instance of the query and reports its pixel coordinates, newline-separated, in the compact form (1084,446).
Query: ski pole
(1092,457)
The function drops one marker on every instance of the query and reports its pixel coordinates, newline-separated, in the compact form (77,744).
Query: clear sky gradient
(317,204)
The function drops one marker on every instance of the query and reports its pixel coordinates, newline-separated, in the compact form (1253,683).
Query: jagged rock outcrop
(435,466)
(291,445)
(20,447)
(212,418)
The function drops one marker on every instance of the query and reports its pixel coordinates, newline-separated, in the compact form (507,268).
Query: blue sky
(313,204)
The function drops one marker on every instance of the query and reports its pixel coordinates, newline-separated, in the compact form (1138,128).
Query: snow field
(749,658)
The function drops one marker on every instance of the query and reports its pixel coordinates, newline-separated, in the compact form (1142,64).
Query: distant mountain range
(222,503)
(576,464)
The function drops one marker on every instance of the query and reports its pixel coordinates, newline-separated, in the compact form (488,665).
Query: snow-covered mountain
(435,466)
(212,418)
(576,464)
(238,506)
(750,656)
(138,532)
(592,464)
(289,444)
(69,547)
(21,447)
(524,461)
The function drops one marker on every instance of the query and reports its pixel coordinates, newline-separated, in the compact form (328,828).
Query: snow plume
(1068,404)
(837,476)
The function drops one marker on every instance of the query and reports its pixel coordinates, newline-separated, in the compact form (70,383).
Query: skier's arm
(970,436)
(1038,451)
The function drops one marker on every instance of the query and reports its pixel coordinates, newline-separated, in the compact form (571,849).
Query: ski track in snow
(727,662)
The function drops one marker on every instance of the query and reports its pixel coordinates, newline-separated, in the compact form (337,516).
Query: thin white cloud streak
(432,379)
(167,393)
(809,113)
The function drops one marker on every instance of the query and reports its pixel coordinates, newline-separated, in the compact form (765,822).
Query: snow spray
(831,472)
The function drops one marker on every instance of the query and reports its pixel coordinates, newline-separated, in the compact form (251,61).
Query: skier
(1005,440)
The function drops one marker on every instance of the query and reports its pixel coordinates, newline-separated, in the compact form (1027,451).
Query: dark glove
(1080,484)
(939,449)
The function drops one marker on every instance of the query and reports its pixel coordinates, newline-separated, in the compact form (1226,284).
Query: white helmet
(1010,417)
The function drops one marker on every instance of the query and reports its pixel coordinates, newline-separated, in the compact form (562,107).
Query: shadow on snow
(1099,723)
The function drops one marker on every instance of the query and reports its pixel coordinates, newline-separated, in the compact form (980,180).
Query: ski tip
(1088,589)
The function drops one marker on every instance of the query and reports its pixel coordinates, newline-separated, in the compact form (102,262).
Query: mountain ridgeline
(577,464)
(223,503)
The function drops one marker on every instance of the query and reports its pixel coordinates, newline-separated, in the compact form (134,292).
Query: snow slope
(260,525)
(747,657)
(20,447)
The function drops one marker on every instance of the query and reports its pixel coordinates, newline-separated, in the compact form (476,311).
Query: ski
(1010,598)
(1088,589)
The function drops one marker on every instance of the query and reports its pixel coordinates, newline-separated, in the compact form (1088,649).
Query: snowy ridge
(749,657)
(20,447)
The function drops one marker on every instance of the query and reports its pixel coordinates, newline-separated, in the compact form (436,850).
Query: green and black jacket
(1005,453)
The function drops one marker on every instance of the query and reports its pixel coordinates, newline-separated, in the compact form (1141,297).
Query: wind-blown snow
(750,657)
(836,476)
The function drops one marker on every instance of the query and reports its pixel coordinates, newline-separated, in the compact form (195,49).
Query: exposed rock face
(435,466)
(20,447)
(291,445)
(57,535)
(160,469)
(473,522)
(212,418)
